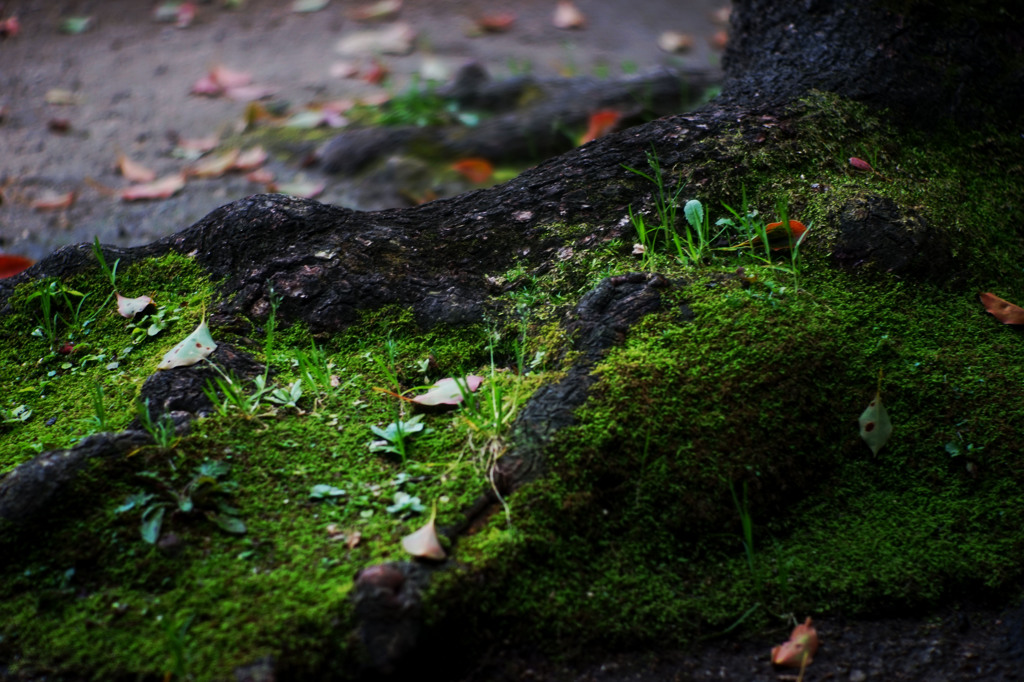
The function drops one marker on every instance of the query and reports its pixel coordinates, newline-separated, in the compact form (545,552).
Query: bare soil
(132,76)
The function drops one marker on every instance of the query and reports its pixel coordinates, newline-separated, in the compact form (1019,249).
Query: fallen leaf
(10,27)
(600,123)
(75,25)
(300,188)
(448,391)
(424,543)
(719,40)
(61,97)
(52,201)
(875,427)
(476,170)
(1002,310)
(59,125)
(377,72)
(11,265)
(567,15)
(262,176)
(778,237)
(498,22)
(721,16)
(249,93)
(303,6)
(345,69)
(394,39)
(228,78)
(674,41)
(192,349)
(130,307)
(799,651)
(353,539)
(198,145)
(214,166)
(163,188)
(250,159)
(186,14)
(383,9)
(134,171)
(860,164)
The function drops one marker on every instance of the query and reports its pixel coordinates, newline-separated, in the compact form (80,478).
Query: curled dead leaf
(214,166)
(1002,310)
(424,543)
(674,41)
(799,651)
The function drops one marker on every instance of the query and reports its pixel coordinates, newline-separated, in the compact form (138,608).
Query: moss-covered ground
(736,402)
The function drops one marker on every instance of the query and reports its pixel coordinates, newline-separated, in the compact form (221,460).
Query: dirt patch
(131,78)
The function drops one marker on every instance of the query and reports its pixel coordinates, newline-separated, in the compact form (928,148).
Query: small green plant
(204,494)
(693,243)
(286,396)
(176,642)
(109,272)
(98,421)
(396,436)
(15,415)
(54,299)
(227,393)
(406,505)
(161,430)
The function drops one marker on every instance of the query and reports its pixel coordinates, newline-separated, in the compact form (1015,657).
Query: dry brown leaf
(164,188)
(377,11)
(250,159)
(214,166)
(134,171)
(567,15)
(1002,310)
(53,201)
(674,41)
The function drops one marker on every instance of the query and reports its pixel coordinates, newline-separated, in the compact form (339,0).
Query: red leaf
(600,123)
(10,27)
(11,265)
(861,164)
(1002,310)
(496,23)
(476,170)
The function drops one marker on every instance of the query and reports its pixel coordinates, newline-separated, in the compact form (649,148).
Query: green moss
(633,535)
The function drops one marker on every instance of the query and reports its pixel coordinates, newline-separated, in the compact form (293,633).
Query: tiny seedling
(406,505)
(98,421)
(396,436)
(109,272)
(161,431)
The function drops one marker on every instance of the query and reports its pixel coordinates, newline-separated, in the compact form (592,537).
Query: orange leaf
(1004,311)
(476,170)
(250,159)
(11,265)
(134,171)
(600,123)
(800,649)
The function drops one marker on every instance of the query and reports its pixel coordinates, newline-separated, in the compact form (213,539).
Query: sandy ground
(131,77)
